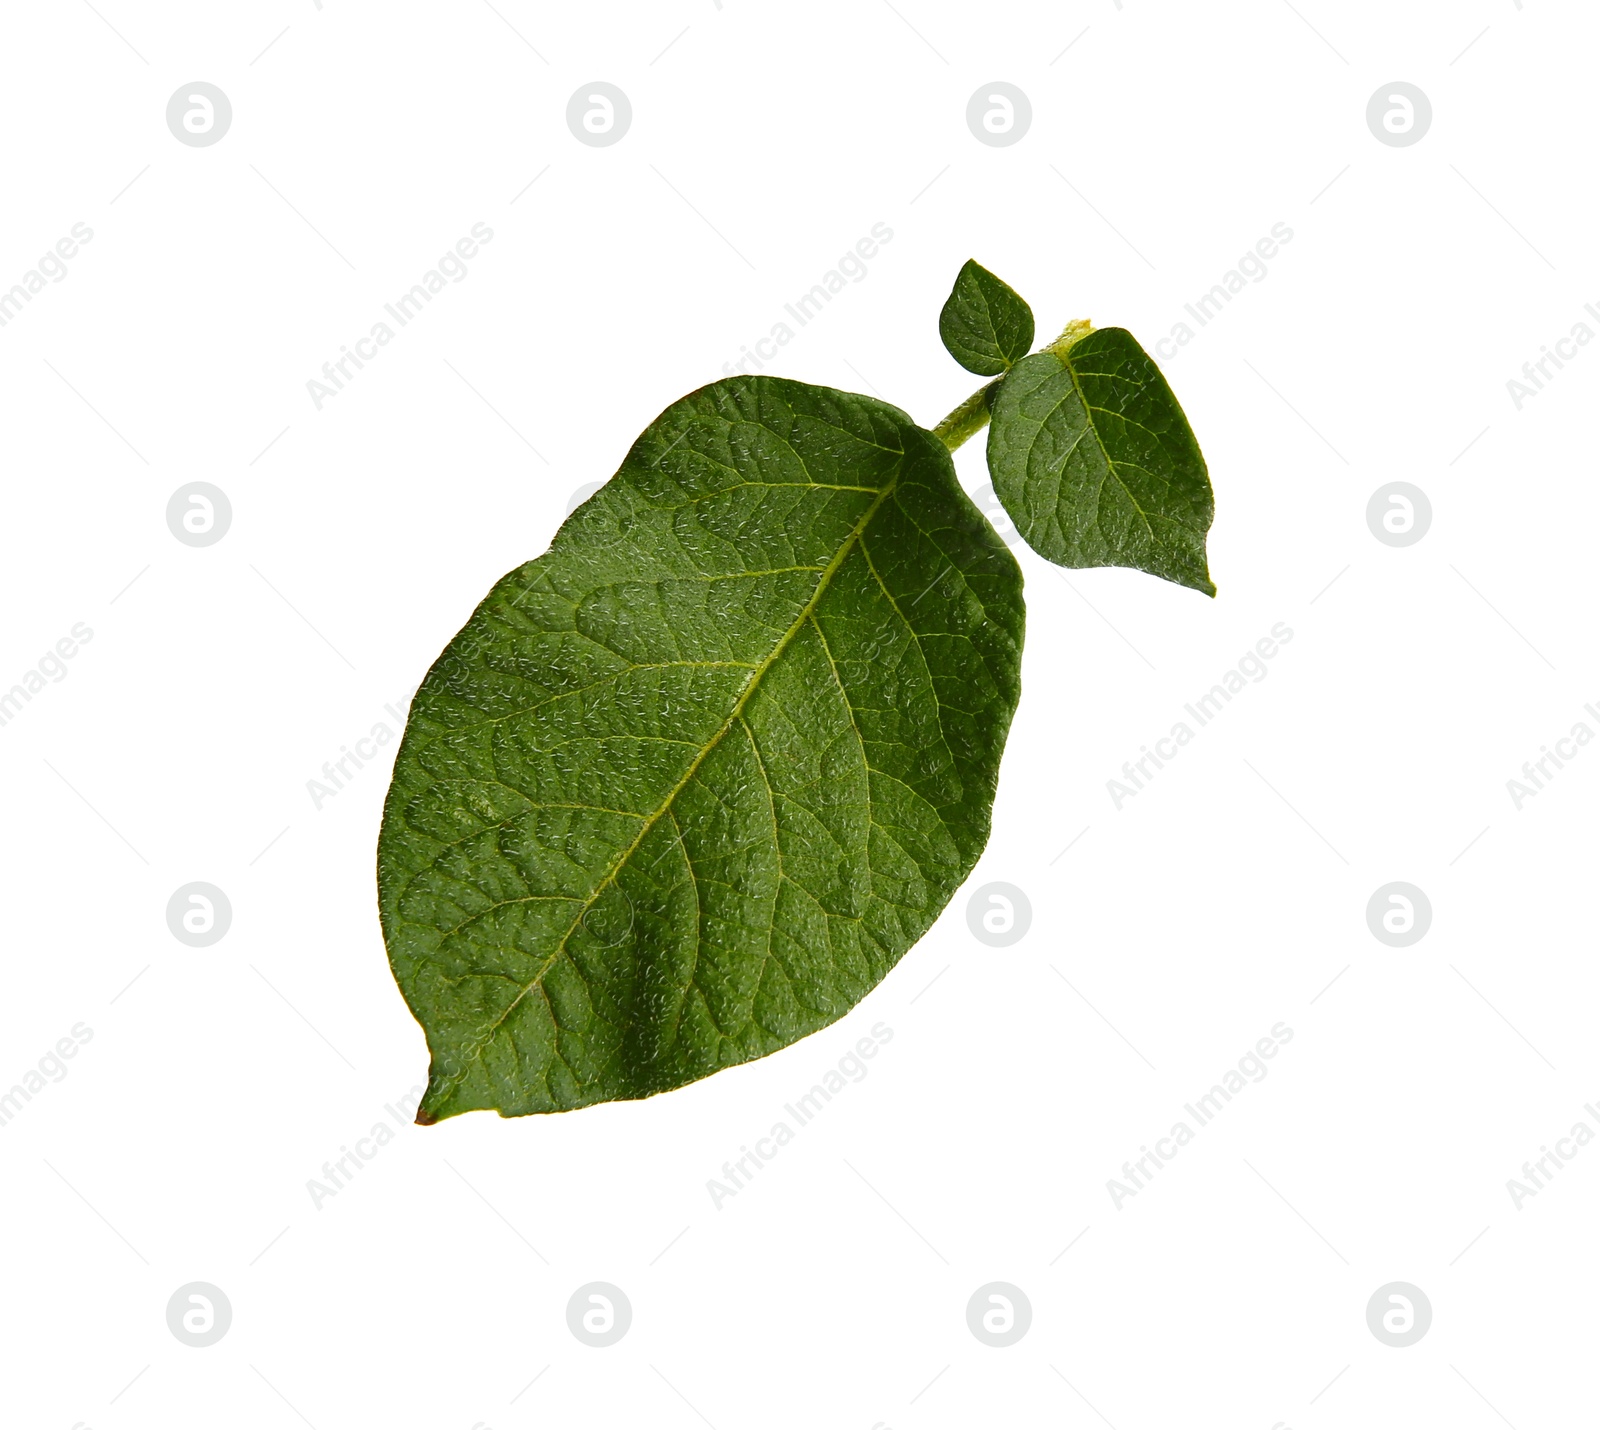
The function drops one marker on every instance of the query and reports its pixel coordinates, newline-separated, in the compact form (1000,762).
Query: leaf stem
(1076,329)
(970,418)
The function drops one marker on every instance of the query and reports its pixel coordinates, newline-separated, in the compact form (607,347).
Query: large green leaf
(686,787)
(985,324)
(1094,460)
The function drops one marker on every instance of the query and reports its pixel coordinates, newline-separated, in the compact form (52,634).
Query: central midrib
(621,860)
(1111,467)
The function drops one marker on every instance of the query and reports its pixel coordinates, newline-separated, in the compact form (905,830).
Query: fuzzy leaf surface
(985,324)
(685,788)
(1095,462)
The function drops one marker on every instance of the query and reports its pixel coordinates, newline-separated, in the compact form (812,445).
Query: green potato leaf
(686,787)
(984,323)
(1095,463)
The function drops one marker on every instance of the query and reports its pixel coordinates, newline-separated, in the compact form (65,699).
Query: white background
(1225,897)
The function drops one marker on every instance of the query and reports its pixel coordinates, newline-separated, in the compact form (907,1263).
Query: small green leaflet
(685,788)
(984,324)
(1094,461)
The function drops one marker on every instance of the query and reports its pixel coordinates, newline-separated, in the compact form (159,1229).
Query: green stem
(968,419)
